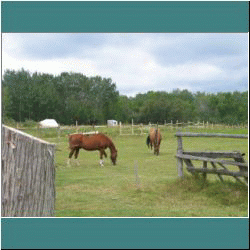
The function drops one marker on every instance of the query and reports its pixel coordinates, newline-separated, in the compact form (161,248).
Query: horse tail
(148,140)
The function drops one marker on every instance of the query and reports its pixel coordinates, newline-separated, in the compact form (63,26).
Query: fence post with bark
(217,166)
(28,175)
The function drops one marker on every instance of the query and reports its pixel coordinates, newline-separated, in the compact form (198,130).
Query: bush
(29,124)
(9,122)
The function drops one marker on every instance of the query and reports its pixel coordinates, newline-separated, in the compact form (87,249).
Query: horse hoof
(101,163)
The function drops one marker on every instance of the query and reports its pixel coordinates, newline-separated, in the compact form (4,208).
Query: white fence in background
(129,129)
(142,129)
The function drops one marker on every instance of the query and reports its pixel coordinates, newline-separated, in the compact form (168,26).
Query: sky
(136,62)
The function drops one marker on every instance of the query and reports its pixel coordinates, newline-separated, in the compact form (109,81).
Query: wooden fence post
(179,160)
(58,134)
(132,127)
(141,128)
(120,128)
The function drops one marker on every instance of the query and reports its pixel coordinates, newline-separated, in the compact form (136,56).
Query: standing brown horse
(154,139)
(92,142)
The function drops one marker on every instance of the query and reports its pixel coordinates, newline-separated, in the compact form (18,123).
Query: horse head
(156,149)
(157,142)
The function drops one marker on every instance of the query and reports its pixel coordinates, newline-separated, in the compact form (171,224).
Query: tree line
(71,97)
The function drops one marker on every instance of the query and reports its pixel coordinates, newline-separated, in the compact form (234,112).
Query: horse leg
(76,155)
(102,152)
(70,155)
(105,154)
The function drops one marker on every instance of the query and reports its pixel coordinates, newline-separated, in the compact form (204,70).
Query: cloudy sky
(136,62)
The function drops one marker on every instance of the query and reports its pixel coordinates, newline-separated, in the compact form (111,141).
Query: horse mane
(112,146)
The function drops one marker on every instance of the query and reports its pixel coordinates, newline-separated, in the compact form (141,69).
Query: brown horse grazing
(92,142)
(154,139)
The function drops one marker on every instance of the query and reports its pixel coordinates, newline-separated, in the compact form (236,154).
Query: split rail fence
(28,175)
(218,166)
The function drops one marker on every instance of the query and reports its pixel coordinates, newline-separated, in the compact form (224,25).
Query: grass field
(88,190)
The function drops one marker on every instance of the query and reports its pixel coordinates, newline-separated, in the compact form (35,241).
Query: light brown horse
(90,143)
(154,139)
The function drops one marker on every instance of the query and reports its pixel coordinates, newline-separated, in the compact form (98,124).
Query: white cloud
(135,62)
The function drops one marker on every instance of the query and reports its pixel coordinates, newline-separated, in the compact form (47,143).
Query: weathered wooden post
(77,128)
(141,127)
(120,128)
(58,134)
(28,175)
(205,167)
(132,127)
(179,160)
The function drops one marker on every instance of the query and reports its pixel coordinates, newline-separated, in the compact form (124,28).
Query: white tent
(112,123)
(48,123)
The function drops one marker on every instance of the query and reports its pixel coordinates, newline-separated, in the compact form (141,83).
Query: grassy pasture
(88,190)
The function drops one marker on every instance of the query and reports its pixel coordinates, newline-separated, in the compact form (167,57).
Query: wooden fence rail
(218,165)
(28,175)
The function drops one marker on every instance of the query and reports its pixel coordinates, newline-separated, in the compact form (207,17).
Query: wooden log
(217,154)
(239,158)
(188,134)
(219,175)
(197,158)
(218,171)
(189,163)
(28,175)
(245,174)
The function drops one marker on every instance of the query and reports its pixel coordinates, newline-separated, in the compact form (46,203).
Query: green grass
(89,190)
